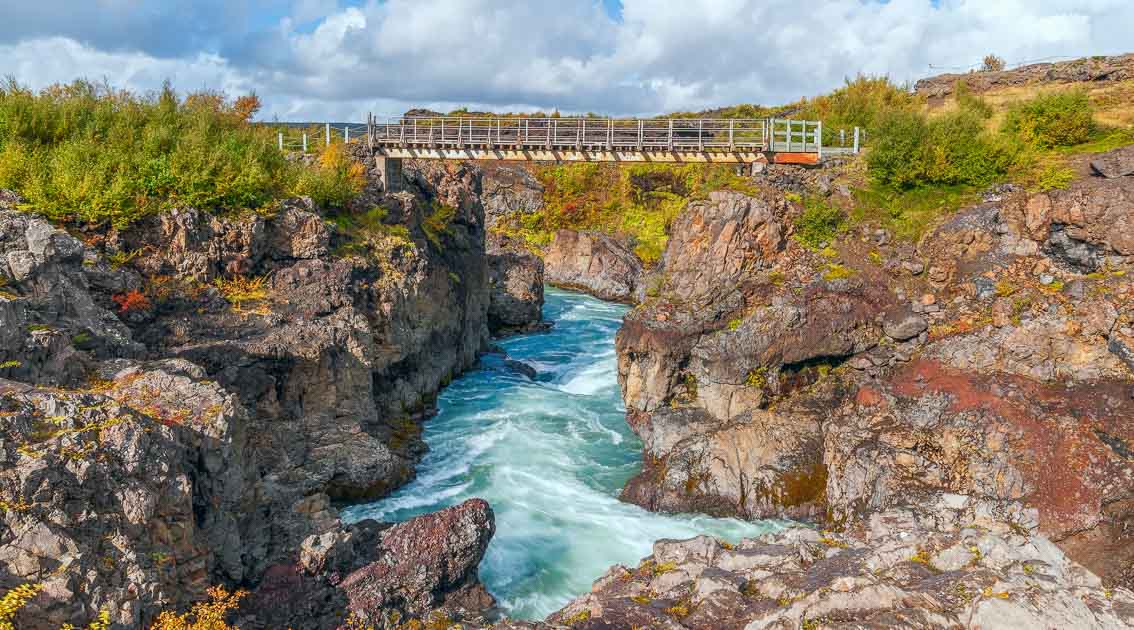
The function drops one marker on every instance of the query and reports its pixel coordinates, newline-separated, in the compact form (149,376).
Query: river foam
(550,455)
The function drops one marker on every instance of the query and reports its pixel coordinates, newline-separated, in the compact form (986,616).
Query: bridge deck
(593,139)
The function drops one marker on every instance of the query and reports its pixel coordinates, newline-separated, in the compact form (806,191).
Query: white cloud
(324,61)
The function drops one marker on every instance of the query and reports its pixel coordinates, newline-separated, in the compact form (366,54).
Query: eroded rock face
(508,190)
(1082,225)
(594,263)
(978,367)
(515,276)
(896,571)
(1005,440)
(700,363)
(98,509)
(244,410)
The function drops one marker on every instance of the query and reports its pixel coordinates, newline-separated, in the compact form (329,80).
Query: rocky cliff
(990,362)
(186,400)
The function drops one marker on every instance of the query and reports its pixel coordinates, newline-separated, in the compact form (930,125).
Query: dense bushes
(1056,119)
(84,152)
(911,149)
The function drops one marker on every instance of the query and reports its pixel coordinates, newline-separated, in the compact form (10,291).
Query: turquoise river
(550,455)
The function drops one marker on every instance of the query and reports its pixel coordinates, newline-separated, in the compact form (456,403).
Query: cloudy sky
(338,59)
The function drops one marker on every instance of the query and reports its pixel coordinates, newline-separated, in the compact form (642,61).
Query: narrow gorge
(590,396)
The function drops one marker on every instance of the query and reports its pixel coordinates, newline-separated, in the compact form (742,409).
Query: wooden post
(610,136)
(700,134)
(819,139)
(442,132)
(670,134)
(640,130)
(731,143)
(582,132)
(346,134)
(551,129)
(856,139)
(327,129)
(305,142)
(280,139)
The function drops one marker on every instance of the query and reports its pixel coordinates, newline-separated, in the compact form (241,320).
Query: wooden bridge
(601,139)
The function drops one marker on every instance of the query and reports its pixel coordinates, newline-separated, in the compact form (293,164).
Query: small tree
(992,63)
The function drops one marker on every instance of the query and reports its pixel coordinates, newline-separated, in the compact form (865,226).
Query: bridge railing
(670,134)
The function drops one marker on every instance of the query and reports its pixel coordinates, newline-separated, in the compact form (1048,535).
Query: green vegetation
(913,150)
(1055,119)
(437,222)
(88,153)
(819,223)
(365,232)
(638,201)
(862,102)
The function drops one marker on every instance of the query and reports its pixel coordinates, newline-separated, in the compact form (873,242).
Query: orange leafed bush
(135,300)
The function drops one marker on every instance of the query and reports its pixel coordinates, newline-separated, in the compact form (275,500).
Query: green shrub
(912,150)
(87,153)
(1055,119)
(437,222)
(819,223)
(334,181)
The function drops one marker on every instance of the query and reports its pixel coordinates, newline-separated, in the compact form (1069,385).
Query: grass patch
(910,213)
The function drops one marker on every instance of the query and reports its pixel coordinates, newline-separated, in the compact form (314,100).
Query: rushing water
(550,456)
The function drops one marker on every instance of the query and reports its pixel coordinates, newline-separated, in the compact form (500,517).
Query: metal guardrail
(677,134)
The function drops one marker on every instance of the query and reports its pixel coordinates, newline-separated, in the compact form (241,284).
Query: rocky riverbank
(989,362)
(185,401)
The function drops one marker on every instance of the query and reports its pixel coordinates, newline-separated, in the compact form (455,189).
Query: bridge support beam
(390,171)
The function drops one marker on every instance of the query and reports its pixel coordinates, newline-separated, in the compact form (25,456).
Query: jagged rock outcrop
(254,377)
(594,263)
(767,380)
(1093,69)
(515,277)
(97,508)
(700,363)
(427,563)
(896,571)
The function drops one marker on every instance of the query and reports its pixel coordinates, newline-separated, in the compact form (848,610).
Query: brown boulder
(594,263)
(1116,163)
(427,563)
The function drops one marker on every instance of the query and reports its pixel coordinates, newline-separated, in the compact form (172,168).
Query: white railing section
(583,134)
(674,134)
